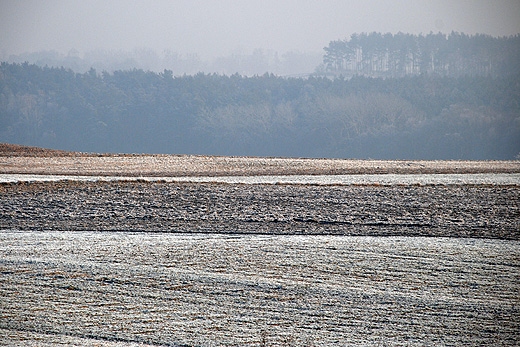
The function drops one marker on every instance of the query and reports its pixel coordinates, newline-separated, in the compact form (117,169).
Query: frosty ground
(119,289)
(170,263)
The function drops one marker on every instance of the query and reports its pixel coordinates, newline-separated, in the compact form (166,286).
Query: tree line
(136,111)
(455,54)
(254,63)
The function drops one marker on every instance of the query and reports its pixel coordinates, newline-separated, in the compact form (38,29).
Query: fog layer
(212,29)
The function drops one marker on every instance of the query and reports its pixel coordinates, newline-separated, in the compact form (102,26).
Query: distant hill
(12,150)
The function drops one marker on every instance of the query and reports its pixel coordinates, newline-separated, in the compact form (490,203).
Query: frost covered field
(162,250)
(120,289)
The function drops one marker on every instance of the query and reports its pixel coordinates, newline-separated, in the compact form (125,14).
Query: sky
(213,28)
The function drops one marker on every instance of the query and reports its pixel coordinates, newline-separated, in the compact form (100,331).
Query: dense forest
(456,54)
(134,111)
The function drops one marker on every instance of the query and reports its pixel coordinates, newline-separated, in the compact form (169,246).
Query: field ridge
(16,159)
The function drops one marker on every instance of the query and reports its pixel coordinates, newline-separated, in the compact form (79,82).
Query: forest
(456,54)
(414,116)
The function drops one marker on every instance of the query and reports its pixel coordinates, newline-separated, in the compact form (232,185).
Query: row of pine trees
(455,54)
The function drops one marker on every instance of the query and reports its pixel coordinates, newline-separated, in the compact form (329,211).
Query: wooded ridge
(416,116)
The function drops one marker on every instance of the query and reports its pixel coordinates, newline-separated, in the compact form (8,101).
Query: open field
(456,211)
(17,160)
(136,262)
(114,289)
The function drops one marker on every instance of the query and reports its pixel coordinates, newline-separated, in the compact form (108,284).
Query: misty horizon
(256,62)
(212,30)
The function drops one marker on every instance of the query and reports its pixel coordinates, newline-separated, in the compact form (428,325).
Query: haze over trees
(416,114)
(256,62)
(456,54)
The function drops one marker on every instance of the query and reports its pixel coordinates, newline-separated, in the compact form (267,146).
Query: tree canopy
(412,117)
(456,54)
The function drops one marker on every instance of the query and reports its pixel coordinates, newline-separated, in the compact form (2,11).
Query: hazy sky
(220,27)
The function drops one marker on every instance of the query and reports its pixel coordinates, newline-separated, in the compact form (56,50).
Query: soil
(454,211)
(31,160)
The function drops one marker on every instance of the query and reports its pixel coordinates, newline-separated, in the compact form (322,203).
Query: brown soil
(12,150)
(16,159)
